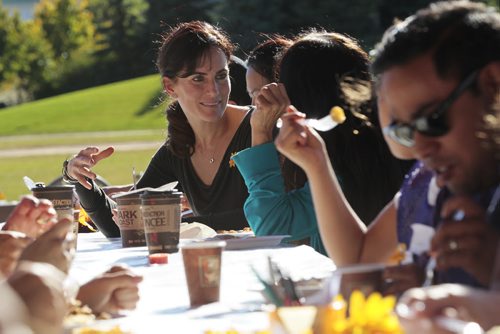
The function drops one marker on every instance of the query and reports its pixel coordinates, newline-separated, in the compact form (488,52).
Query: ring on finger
(453,244)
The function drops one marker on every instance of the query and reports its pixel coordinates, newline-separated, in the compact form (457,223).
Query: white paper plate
(249,241)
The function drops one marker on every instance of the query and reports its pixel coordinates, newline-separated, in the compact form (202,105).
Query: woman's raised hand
(271,102)
(79,167)
(300,143)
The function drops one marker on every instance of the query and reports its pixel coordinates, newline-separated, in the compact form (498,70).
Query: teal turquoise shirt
(269,209)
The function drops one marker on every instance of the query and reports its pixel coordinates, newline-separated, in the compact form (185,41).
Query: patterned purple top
(413,205)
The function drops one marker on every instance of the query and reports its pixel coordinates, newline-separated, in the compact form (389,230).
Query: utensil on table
(30,184)
(134,179)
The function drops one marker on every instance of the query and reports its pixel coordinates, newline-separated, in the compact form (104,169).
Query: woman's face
(203,94)
(255,82)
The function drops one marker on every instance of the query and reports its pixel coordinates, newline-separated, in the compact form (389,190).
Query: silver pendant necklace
(211,160)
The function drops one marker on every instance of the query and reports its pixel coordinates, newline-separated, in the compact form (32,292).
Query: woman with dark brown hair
(203,133)
(312,72)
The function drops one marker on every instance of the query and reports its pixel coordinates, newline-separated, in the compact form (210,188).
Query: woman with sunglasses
(203,132)
(439,76)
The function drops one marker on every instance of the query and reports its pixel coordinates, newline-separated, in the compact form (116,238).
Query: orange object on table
(158,258)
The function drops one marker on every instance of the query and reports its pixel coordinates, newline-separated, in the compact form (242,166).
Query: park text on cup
(130,219)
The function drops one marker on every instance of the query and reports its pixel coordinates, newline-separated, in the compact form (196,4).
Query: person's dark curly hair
(264,56)
(463,36)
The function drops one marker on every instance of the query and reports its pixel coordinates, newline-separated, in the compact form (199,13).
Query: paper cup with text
(130,219)
(63,200)
(161,214)
(202,267)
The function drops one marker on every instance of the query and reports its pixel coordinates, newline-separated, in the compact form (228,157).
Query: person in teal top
(271,210)
(312,75)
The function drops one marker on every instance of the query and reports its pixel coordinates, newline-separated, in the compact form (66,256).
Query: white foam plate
(235,241)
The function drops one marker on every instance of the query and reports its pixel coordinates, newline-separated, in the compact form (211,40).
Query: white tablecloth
(164,304)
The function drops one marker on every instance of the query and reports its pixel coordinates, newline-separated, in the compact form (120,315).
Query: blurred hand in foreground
(40,287)
(12,244)
(52,247)
(115,290)
(421,306)
(32,216)
(401,278)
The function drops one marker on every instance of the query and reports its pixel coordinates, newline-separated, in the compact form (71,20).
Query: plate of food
(81,320)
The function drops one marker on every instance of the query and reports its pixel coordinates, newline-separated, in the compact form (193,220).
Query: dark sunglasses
(433,124)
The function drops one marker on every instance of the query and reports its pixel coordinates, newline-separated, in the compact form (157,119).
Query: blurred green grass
(81,138)
(124,105)
(117,169)
(126,111)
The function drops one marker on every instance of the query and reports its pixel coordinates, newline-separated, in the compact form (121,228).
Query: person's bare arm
(346,238)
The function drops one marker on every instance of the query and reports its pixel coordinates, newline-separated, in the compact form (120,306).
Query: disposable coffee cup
(62,198)
(130,220)
(161,214)
(202,267)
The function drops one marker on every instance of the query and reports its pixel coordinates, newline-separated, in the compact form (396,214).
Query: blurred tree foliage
(121,27)
(66,24)
(26,57)
(73,44)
